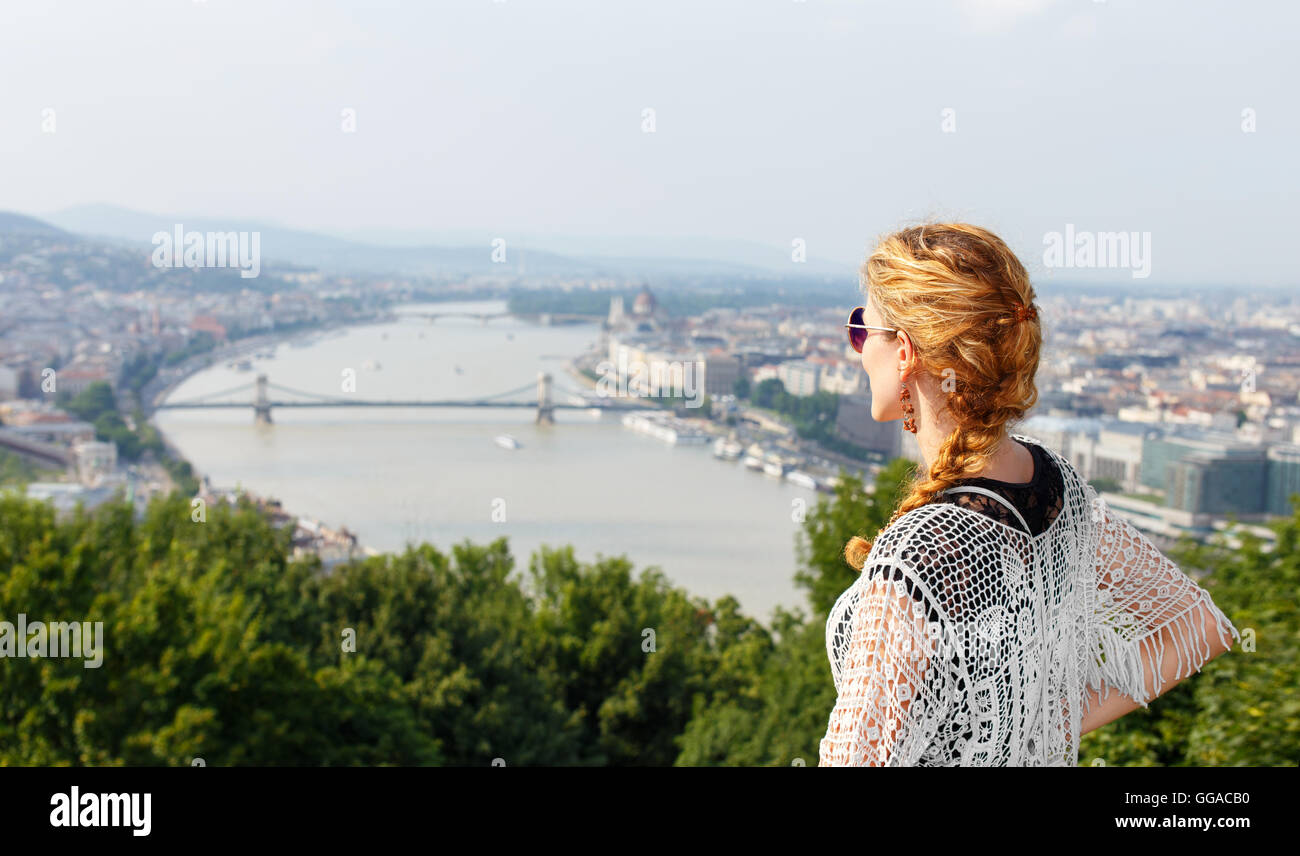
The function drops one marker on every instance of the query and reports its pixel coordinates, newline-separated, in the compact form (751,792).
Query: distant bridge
(434,316)
(262,405)
(484,317)
(45,453)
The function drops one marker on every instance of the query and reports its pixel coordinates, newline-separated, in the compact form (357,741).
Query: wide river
(395,476)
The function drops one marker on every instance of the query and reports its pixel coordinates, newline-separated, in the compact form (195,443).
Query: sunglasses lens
(857,336)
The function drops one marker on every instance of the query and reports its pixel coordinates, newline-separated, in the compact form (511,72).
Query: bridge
(484,317)
(262,404)
(44,453)
(545,318)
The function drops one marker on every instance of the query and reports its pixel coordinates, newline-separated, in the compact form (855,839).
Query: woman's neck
(933,425)
(1010,462)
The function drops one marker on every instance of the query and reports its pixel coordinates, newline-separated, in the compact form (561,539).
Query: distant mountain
(719,254)
(462,252)
(21,224)
(293,246)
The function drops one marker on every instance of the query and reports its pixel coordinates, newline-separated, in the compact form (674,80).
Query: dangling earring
(909,422)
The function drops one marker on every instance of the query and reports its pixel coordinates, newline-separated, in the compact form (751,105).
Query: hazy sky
(773,119)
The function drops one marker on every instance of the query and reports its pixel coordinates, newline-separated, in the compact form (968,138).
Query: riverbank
(309,537)
(157,390)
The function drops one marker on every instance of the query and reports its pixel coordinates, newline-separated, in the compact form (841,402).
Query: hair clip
(1023,312)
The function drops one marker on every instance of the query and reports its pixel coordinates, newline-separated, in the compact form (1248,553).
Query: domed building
(645,311)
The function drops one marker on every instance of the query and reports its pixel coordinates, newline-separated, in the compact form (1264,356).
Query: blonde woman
(1004,611)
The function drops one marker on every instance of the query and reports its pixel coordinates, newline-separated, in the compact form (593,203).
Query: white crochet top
(993,670)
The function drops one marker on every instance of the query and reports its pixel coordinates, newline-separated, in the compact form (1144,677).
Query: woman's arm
(1102,711)
(1105,712)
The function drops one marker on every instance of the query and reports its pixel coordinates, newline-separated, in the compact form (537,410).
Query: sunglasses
(858,331)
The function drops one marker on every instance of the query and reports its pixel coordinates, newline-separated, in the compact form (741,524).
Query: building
(9,382)
(75,378)
(646,316)
(853,424)
(1116,454)
(721,371)
(65,496)
(56,432)
(95,461)
(1205,474)
(637,369)
(800,377)
(1283,479)
(616,317)
(1230,482)
(209,324)
(843,378)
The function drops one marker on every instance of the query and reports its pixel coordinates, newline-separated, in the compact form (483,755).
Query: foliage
(97,404)
(216,644)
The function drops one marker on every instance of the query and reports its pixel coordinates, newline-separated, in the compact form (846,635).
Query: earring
(909,421)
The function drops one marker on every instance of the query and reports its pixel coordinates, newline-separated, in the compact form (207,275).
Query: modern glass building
(1227,482)
(1283,479)
(1207,475)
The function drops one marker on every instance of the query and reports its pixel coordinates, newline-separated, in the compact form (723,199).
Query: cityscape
(1183,412)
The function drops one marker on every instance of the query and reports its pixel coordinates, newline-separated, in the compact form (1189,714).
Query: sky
(825,121)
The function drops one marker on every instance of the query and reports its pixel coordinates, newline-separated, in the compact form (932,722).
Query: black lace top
(1038,500)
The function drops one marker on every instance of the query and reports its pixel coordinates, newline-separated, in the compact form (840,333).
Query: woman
(1003,603)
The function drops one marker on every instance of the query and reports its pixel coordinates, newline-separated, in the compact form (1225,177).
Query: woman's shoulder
(927,535)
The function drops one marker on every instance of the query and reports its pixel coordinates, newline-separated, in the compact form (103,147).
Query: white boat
(505,441)
(753,463)
(666,428)
(774,468)
(728,450)
(802,479)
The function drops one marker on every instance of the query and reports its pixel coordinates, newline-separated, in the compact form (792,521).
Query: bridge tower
(261,405)
(545,410)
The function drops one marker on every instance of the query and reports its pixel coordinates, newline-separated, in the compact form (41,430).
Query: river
(436,474)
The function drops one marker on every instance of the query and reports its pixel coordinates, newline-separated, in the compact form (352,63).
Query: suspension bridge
(261,402)
(485,317)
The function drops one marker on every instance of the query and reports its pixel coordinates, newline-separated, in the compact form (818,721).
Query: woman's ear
(906,353)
